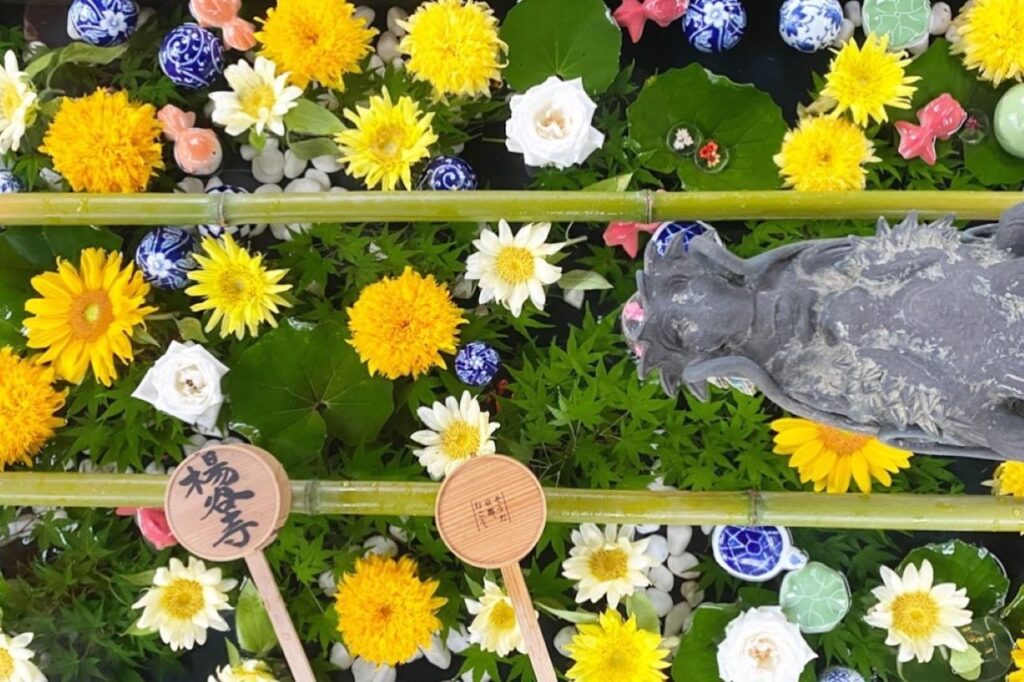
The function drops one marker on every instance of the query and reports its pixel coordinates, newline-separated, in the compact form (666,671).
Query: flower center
(553,124)
(238,286)
(915,614)
(609,563)
(10,101)
(503,617)
(183,599)
(190,382)
(460,440)
(387,143)
(514,264)
(91,315)
(6,665)
(763,651)
(257,100)
(843,443)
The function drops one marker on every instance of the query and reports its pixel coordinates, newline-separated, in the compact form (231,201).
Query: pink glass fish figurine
(152,523)
(627,235)
(939,119)
(633,14)
(197,150)
(223,14)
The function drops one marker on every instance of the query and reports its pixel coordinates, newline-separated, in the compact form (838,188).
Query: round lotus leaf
(816,598)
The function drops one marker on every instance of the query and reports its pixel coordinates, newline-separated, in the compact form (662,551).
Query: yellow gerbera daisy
(613,650)
(315,40)
(28,403)
(989,38)
(454,46)
(400,325)
(1008,479)
(830,456)
(385,612)
(387,140)
(1018,662)
(237,287)
(87,314)
(824,154)
(104,143)
(866,79)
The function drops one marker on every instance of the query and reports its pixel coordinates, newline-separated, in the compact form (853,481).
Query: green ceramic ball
(1009,121)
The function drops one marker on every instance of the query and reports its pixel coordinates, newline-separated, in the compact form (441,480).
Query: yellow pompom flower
(613,650)
(86,315)
(866,79)
(385,612)
(104,143)
(28,405)
(315,40)
(990,38)
(400,325)
(454,46)
(1018,662)
(387,140)
(831,457)
(1008,479)
(824,154)
(237,287)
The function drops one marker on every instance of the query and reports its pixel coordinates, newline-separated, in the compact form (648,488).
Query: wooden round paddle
(490,513)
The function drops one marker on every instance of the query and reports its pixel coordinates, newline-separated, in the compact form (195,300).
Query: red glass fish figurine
(633,14)
(196,150)
(939,119)
(223,14)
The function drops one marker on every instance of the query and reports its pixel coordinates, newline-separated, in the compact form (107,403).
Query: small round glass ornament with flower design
(840,675)
(755,553)
(191,56)
(907,23)
(9,183)
(810,25)
(477,364)
(103,23)
(164,256)
(448,173)
(714,25)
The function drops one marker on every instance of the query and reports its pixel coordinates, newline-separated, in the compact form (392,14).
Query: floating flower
(401,325)
(513,268)
(454,46)
(456,430)
(16,659)
(237,287)
(495,627)
(259,98)
(1018,661)
(550,124)
(609,564)
(613,649)
(28,407)
(866,79)
(1009,479)
(918,615)
(86,315)
(824,154)
(989,38)
(831,457)
(185,383)
(761,645)
(104,143)
(315,40)
(184,602)
(387,140)
(18,103)
(245,671)
(385,612)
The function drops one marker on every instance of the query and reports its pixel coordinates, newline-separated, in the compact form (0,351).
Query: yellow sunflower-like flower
(387,140)
(454,46)
(400,325)
(315,40)
(86,315)
(1008,479)
(990,38)
(824,154)
(385,612)
(831,457)
(866,79)
(237,287)
(1018,661)
(613,650)
(28,404)
(104,143)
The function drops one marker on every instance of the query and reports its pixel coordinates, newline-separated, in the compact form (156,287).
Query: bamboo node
(311,496)
(221,198)
(648,206)
(755,512)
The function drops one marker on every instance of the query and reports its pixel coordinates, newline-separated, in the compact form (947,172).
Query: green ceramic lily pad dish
(906,22)
(816,598)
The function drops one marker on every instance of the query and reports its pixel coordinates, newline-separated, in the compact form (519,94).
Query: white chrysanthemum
(18,103)
(495,627)
(609,564)
(511,268)
(918,615)
(184,602)
(456,431)
(258,98)
(16,659)
(249,670)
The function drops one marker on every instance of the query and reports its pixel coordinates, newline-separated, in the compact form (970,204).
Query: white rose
(762,646)
(550,124)
(185,383)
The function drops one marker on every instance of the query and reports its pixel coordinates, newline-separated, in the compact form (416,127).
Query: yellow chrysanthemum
(1018,661)
(86,315)
(824,154)
(315,40)
(237,287)
(830,456)
(866,79)
(613,650)
(989,38)
(387,140)
(28,403)
(104,143)
(454,46)
(385,612)
(400,325)
(1009,479)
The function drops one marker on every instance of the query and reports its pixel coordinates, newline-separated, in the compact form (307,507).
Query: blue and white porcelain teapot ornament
(755,553)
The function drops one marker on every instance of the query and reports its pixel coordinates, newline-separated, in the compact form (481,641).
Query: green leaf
(234,658)
(1013,614)
(966,663)
(620,183)
(576,617)
(584,280)
(568,38)
(191,329)
(74,53)
(697,658)
(639,606)
(309,118)
(310,149)
(257,140)
(968,566)
(143,579)
(252,624)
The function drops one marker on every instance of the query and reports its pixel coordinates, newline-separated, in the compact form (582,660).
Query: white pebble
(648,528)
(328,163)
(364,671)
(562,639)
(463,288)
(268,167)
(941,18)
(657,548)
(398,533)
(387,46)
(458,640)
(679,539)
(190,185)
(574,297)
(378,544)
(658,485)
(676,619)
(365,13)
(268,189)
(303,185)
(846,30)
(661,578)
(661,600)
(376,64)
(692,593)
(247,152)
(396,14)
(293,165)
(327,583)
(853,12)
(340,656)
(438,654)
(320,178)
(681,564)
(707,530)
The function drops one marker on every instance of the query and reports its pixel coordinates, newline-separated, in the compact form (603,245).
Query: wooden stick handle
(261,574)
(536,647)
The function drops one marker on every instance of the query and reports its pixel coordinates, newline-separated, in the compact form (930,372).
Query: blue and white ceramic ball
(9,183)
(103,23)
(217,231)
(666,233)
(840,675)
(477,363)
(164,257)
(810,25)
(714,25)
(448,173)
(191,56)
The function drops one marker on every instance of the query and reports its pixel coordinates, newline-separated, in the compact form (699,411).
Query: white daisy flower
(495,627)
(609,564)
(16,659)
(918,615)
(456,431)
(513,268)
(18,103)
(184,602)
(249,670)
(258,98)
